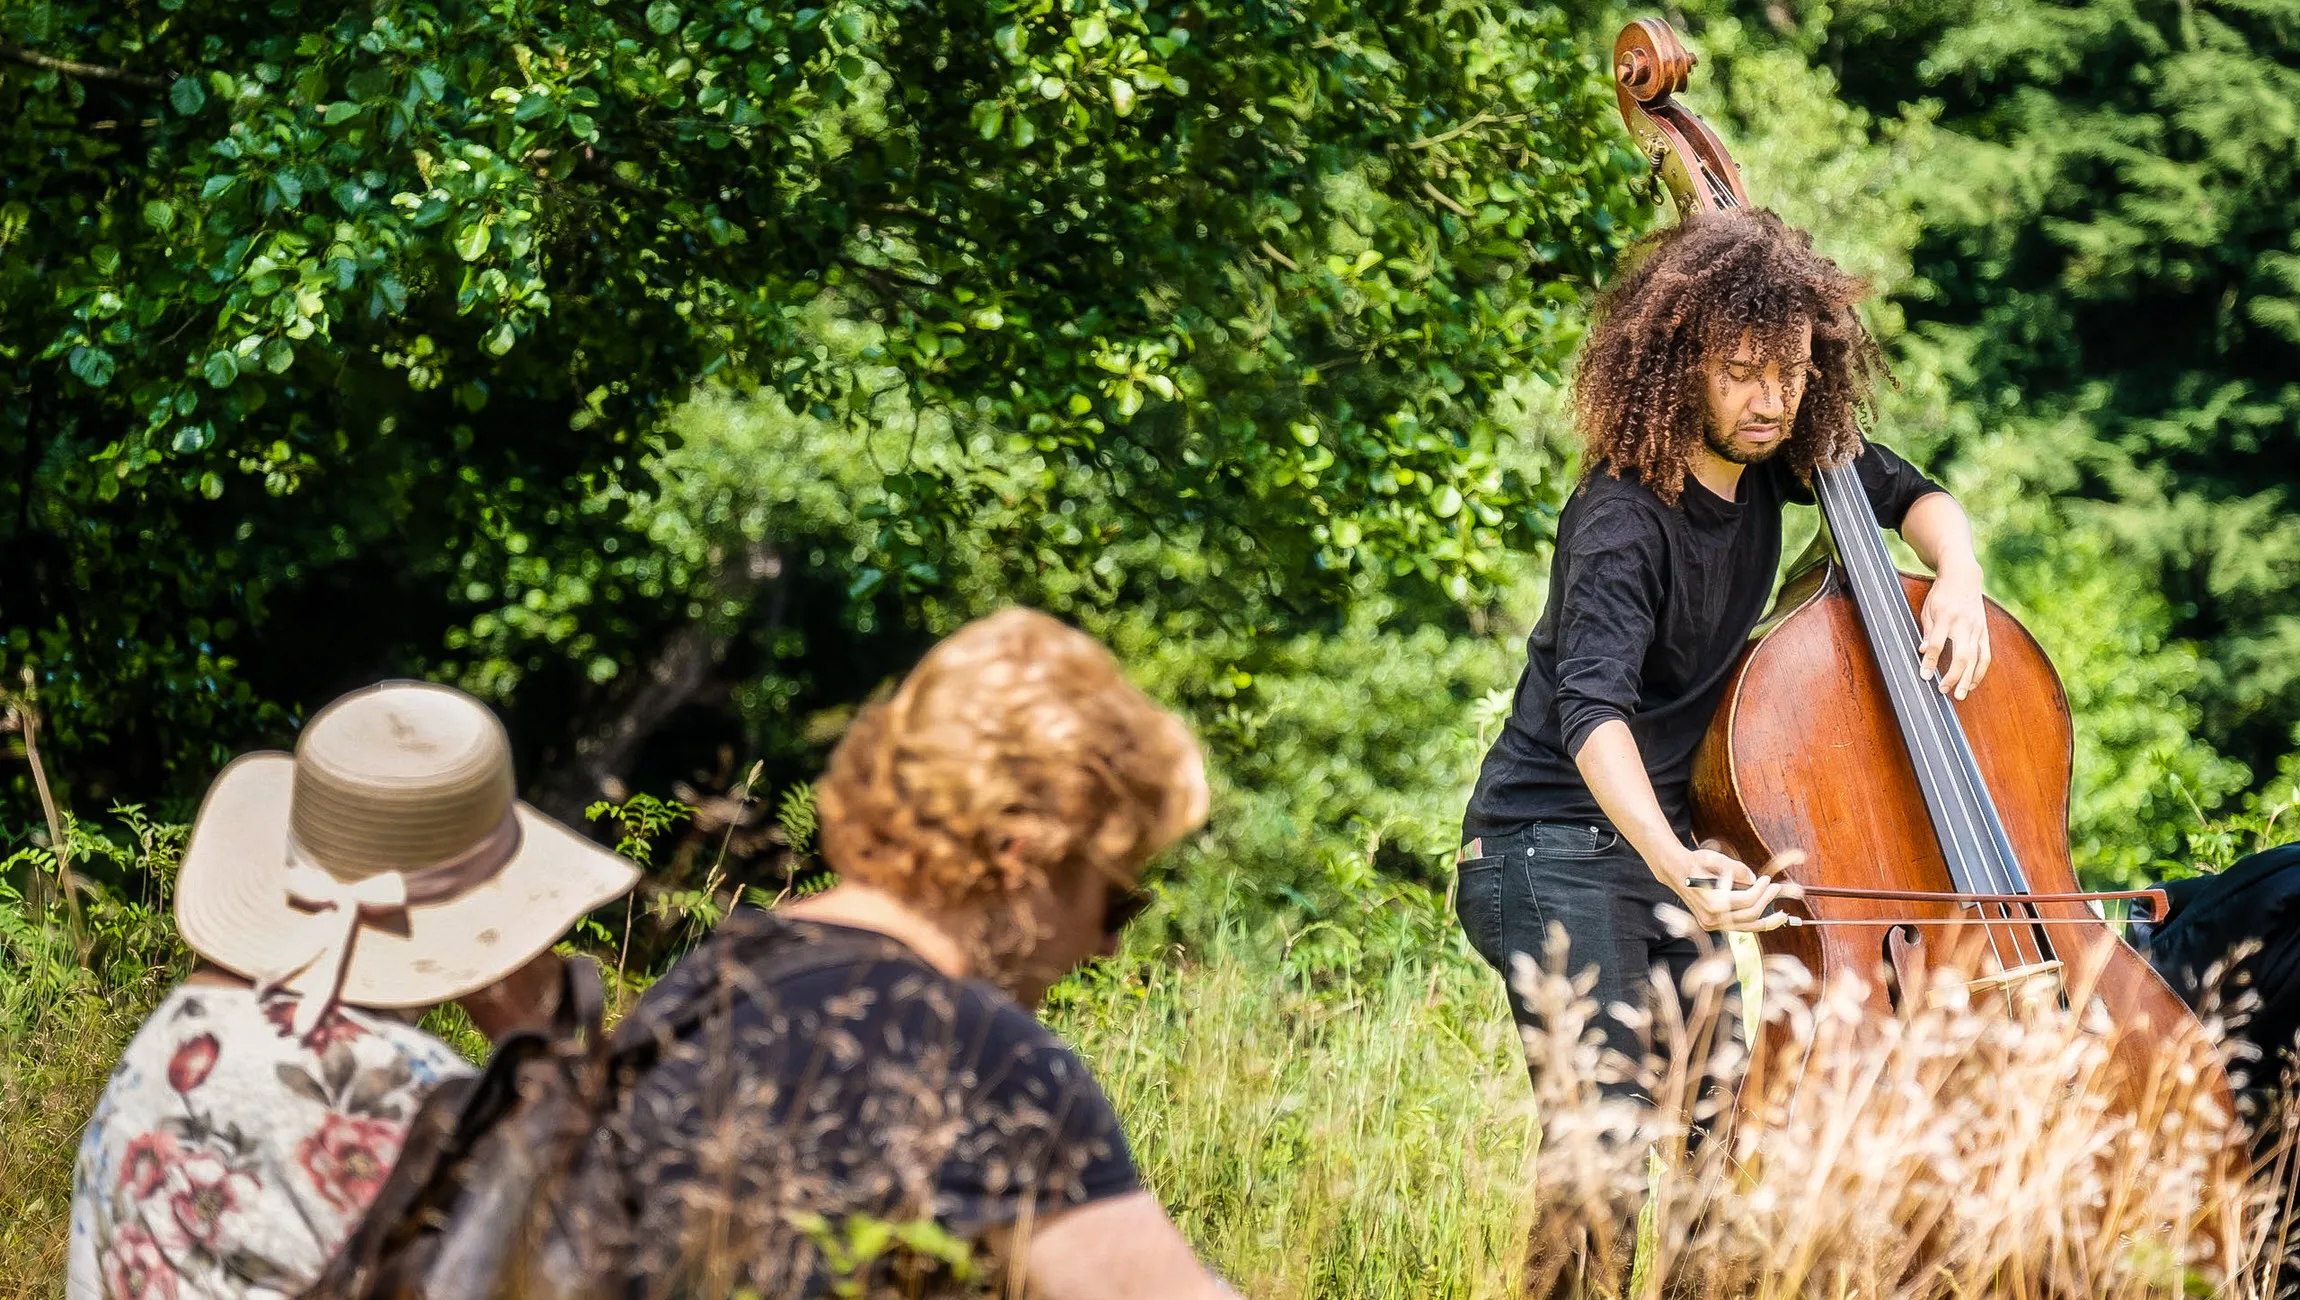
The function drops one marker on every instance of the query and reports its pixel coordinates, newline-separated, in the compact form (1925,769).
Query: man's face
(1753,402)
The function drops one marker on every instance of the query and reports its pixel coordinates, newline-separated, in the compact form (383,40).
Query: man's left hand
(1955,652)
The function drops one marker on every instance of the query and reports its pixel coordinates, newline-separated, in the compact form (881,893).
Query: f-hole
(1904,961)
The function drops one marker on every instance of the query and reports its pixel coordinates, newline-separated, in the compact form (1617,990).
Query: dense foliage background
(669,373)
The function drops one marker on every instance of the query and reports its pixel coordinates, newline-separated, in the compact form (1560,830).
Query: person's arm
(1933,524)
(1610,763)
(1954,617)
(1123,1248)
(1612,585)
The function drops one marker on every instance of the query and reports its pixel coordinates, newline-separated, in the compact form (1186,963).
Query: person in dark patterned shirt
(879,1108)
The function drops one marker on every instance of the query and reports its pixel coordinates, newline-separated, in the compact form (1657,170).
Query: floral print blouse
(225,1159)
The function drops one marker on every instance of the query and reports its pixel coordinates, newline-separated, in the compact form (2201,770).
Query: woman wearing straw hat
(385,867)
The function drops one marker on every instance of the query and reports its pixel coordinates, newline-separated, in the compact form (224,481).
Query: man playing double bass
(1722,367)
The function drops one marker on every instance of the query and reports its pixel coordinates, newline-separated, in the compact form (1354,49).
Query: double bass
(1935,831)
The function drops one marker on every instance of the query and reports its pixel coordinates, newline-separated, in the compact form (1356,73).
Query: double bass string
(1960,806)
(1876,591)
(1883,614)
(1965,822)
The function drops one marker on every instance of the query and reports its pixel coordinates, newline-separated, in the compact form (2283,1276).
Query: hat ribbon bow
(379,899)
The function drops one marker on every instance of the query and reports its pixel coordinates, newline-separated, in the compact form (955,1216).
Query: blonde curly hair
(1015,753)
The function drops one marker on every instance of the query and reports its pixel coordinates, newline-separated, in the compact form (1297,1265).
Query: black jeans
(1590,882)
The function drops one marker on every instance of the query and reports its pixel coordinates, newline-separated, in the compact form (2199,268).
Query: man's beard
(1730,448)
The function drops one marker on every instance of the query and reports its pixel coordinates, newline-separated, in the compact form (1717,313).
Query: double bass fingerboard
(1964,815)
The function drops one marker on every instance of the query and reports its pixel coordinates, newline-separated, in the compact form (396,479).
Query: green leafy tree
(319,320)
(2113,247)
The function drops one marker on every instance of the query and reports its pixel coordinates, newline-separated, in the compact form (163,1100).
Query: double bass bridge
(2019,979)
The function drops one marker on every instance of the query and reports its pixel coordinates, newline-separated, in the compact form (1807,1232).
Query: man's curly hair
(1015,754)
(1640,398)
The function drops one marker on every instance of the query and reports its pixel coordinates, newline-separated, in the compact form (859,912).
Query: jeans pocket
(1574,840)
(1477,905)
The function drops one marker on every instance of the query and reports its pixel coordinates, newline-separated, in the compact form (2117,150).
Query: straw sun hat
(387,862)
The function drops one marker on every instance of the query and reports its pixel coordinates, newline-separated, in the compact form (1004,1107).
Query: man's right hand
(1724,894)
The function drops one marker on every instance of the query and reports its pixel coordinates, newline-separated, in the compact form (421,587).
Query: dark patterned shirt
(860,1087)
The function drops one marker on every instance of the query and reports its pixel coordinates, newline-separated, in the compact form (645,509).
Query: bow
(345,905)
(341,907)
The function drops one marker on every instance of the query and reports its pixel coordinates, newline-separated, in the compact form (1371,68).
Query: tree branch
(1481,119)
(886,278)
(1436,194)
(89,71)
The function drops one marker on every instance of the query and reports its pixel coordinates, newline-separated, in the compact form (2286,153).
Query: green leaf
(187,95)
(159,216)
(989,115)
(221,368)
(278,355)
(92,365)
(211,485)
(1091,31)
(471,241)
(663,17)
(338,113)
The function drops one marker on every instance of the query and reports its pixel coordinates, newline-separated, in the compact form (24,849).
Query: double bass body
(1805,752)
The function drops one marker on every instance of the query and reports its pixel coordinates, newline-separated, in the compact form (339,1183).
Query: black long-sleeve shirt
(1649,607)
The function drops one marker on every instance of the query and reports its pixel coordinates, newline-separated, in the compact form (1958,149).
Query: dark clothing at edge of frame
(1649,607)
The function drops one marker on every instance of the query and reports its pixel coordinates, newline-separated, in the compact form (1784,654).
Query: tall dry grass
(1965,1147)
(1380,1140)
(54,1060)
(1375,1139)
